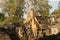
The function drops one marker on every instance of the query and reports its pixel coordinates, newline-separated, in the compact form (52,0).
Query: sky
(54,4)
(0,9)
(54,0)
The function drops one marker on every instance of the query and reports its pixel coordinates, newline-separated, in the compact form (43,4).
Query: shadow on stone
(13,36)
(52,37)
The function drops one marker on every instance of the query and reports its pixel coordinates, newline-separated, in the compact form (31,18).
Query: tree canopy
(56,12)
(13,9)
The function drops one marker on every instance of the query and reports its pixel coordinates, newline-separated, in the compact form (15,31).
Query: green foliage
(42,7)
(14,10)
(15,13)
(57,11)
(1,16)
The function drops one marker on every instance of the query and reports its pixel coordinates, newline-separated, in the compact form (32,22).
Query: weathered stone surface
(4,36)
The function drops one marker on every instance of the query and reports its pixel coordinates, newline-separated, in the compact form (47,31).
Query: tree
(14,10)
(33,8)
(56,12)
(1,17)
(42,7)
